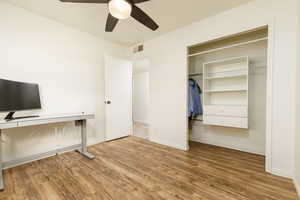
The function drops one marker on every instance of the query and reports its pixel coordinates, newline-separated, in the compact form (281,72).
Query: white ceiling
(91,18)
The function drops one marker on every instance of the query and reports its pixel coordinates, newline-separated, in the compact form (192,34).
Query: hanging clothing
(194,100)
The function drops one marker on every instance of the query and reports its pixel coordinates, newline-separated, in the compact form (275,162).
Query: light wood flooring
(136,169)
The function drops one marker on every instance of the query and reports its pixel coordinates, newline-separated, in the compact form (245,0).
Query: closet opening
(227,92)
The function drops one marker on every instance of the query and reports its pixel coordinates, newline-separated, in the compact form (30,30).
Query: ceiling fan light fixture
(120,9)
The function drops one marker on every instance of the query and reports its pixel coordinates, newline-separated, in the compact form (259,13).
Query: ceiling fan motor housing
(120,9)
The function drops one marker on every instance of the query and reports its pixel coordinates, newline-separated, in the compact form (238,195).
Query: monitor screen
(15,96)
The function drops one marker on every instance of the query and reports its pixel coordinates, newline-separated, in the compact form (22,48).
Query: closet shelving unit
(225,84)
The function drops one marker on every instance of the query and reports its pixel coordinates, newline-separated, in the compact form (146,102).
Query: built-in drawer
(237,122)
(233,111)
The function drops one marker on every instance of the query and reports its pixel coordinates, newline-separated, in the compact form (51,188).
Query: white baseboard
(297,185)
(95,141)
(142,137)
(229,146)
(168,143)
(281,173)
(141,122)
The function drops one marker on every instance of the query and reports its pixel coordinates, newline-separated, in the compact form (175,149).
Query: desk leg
(83,149)
(1,165)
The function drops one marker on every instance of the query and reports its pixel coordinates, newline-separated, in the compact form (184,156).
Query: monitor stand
(10,117)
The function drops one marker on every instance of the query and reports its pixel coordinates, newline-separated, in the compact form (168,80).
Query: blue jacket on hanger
(194,100)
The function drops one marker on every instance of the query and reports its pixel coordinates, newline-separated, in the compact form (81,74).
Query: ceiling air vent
(138,48)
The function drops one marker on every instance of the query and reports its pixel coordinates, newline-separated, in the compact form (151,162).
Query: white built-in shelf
(229,46)
(231,70)
(199,118)
(226,90)
(226,76)
(233,59)
(231,105)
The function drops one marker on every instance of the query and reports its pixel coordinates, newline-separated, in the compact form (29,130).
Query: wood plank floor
(135,169)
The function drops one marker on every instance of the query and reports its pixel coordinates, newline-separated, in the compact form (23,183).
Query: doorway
(140,98)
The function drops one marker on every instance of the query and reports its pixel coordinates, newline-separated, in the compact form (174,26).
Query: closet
(231,73)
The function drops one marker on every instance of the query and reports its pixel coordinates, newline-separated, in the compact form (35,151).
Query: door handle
(107,102)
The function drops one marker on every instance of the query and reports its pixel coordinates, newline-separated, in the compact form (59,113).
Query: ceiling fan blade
(139,1)
(85,1)
(143,18)
(111,23)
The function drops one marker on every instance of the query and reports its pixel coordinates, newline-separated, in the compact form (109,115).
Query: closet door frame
(269,96)
(269,109)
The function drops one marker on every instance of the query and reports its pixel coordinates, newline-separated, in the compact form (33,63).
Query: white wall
(140,97)
(168,74)
(68,66)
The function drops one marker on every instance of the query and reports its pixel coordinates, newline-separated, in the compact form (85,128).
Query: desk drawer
(236,122)
(233,111)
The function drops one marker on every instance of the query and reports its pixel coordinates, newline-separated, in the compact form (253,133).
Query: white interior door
(118,95)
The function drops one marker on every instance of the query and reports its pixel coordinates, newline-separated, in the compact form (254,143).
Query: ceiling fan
(122,9)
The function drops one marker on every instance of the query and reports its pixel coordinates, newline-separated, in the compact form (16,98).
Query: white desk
(80,119)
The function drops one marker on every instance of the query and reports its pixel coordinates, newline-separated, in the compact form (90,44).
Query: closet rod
(227,47)
(199,120)
(196,74)
(258,66)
